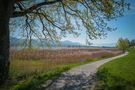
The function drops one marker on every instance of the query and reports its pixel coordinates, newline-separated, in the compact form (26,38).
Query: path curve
(79,78)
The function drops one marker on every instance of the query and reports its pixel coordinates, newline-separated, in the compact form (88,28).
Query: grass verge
(25,81)
(118,74)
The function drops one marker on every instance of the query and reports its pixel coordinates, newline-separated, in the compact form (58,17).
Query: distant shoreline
(57,48)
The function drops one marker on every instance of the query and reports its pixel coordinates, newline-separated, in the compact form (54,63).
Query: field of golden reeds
(28,64)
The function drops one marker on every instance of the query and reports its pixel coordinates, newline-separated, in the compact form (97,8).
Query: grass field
(31,67)
(118,74)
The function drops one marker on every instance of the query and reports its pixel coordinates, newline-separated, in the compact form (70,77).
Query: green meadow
(118,74)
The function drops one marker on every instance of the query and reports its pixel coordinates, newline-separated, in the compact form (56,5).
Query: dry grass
(27,63)
(61,54)
(33,60)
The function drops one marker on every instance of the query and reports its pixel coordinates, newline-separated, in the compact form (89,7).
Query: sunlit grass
(118,74)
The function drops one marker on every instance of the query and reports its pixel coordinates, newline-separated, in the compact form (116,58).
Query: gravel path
(79,78)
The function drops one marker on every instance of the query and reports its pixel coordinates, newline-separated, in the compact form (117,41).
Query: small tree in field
(123,44)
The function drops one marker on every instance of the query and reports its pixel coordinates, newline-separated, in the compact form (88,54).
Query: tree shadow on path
(73,82)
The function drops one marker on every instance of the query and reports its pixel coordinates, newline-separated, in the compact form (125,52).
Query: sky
(125,29)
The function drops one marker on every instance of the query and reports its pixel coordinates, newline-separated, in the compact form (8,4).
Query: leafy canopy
(52,19)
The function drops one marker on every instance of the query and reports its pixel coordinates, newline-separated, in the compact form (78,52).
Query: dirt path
(79,78)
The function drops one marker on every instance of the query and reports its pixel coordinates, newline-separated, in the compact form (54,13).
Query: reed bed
(30,63)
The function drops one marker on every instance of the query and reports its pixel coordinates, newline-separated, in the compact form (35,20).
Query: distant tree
(132,43)
(55,18)
(123,44)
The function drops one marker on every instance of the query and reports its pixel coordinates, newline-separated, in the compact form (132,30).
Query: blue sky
(125,29)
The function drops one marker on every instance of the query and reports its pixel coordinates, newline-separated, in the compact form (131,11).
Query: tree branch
(33,7)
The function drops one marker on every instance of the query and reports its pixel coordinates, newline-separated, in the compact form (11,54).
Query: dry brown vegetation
(29,61)
(66,55)
(26,64)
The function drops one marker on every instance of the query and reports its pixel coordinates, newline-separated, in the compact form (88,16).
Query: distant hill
(70,43)
(16,42)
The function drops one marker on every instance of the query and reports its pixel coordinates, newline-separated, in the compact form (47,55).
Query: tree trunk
(5,13)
